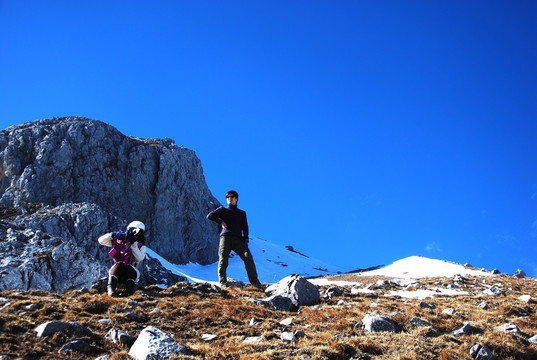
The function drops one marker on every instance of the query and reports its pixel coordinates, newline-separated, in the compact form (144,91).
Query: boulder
(427,305)
(466,329)
(153,344)
(519,274)
(118,336)
(287,337)
(448,311)
(298,289)
(417,322)
(209,337)
(493,291)
(55,326)
(287,321)
(77,345)
(333,291)
(252,339)
(508,328)
(484,354)
(429,329)
(376,323)
(277,302)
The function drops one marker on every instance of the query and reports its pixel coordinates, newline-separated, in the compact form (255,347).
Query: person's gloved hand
(245,239)
(118,235)
(130,236)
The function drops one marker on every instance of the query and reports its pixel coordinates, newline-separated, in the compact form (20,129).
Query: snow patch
(417,267)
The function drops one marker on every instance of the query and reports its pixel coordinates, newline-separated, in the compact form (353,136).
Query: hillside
(59,191)
(456,313)
(273,262)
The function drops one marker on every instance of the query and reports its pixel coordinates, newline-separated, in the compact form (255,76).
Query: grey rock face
(466,329)
(77,160)
(53,249)
(56,249)
(153,273)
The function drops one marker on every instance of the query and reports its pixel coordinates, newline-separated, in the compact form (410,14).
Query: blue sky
(360,132)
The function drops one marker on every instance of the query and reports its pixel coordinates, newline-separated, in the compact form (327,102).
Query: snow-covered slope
(273,263)
(417,267)
(408,271)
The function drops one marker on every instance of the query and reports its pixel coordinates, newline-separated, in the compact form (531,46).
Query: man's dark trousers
(230,242)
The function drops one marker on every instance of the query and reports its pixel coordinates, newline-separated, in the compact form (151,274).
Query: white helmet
(137,224)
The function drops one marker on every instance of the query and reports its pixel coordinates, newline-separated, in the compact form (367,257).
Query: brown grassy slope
(330,331)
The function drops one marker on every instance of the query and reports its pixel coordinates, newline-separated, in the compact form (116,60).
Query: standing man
(234,236)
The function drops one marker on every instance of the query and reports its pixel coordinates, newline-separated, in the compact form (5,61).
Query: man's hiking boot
(224,285)
(259,286)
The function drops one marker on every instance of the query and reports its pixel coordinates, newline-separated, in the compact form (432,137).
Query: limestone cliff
(49,163)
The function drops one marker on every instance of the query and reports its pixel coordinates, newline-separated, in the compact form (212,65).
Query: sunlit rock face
(113,179)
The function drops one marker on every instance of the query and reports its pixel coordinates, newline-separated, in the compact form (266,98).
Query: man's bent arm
(214,216)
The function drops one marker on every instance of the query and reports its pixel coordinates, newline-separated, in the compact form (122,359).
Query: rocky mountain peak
(47,164)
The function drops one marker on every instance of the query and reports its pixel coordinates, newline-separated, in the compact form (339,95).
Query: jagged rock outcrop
(55,249)
(78,160)
(66,181)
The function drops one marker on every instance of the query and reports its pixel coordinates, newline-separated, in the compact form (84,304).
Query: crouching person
(128,250)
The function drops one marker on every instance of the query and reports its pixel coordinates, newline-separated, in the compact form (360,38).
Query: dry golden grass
(332,331)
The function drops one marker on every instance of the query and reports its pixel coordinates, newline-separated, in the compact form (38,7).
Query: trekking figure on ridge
(234,236)
(128,250)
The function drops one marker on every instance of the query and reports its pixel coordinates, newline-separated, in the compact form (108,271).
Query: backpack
(121,251)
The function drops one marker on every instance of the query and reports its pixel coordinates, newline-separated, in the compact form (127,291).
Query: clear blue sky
(360,132)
